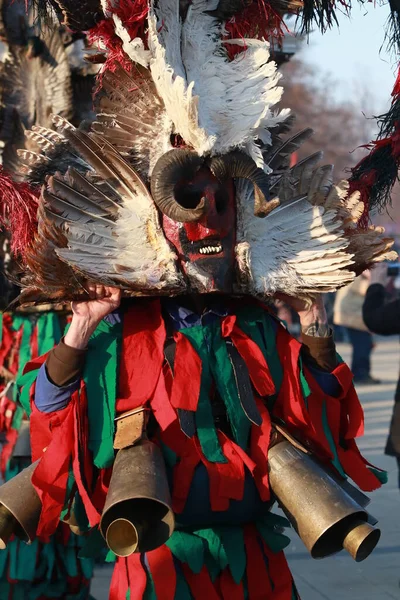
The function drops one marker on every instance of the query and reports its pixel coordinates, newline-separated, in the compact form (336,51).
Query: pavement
(339,577)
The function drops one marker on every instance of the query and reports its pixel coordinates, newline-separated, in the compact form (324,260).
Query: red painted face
(206,248)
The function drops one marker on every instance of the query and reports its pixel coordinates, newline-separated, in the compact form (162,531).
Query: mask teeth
(211,249)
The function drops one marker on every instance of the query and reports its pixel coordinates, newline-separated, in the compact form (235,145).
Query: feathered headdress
(172,100)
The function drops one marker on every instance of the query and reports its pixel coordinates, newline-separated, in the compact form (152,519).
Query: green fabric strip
(24,384)
(100,376)
(381,475)
(187,548)
(258,325)
(305,388)
(224,378)
(201,340)
(233,543)
(49,332)
(182,589)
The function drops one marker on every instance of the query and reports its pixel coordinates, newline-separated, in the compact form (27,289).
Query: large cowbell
(20,508)
(137,515)
(326,518)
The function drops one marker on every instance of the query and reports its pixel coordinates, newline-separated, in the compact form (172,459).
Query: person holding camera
(348,314)
(383,318)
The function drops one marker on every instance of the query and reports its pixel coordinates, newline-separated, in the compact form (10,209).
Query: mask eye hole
(221,200)
(188,195)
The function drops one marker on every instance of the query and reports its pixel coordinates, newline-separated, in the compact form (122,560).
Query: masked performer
(177,407)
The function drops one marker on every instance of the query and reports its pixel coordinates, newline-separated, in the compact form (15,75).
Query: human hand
(312,315)
(88,314)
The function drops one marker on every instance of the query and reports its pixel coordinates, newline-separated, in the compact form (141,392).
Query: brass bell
(137,515)
(20,508)
(326,518)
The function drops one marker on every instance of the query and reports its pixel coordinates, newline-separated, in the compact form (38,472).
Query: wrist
(79,332)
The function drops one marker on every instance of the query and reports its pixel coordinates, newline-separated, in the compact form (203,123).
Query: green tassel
(381,475)
(233,543)
(24,384)
(224,378)
(182,589)
(49,332)
(201,341)
(100,376)
(188,549)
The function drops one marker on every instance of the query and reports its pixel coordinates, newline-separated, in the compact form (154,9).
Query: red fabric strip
(259,445)
(119,581)
(290,401)
(137,577)
(255,361)
(160,402)
(80,450)
(229,589)
(187,375)
(51,475)
(258,581)
(163,572)
(142,354)
(200,584)
(280,575)
(356,468)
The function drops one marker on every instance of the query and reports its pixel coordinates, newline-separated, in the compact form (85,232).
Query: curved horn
(238,164)
(169,169)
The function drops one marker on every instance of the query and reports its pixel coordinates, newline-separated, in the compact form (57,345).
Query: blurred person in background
(348,314)
(383,317)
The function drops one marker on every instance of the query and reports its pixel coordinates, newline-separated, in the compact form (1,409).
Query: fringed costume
(169,437)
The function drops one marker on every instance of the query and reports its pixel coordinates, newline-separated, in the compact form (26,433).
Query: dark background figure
(383,317)
(348,314)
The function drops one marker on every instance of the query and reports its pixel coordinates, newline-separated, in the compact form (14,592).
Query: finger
(100,292)
(116,295)
(91,288)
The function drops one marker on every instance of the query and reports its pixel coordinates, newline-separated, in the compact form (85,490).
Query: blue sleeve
(48,396)
(326,381)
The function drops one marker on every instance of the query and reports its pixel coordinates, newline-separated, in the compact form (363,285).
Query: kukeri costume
(35,571)
(195,407)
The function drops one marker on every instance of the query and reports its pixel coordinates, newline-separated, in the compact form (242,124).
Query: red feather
(18,212)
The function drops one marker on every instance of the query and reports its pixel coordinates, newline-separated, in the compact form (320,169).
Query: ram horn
(172,167)
(240,165)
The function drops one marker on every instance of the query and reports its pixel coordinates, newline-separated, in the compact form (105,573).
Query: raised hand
(87,315)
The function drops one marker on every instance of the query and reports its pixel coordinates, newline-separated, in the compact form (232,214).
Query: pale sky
(353,54)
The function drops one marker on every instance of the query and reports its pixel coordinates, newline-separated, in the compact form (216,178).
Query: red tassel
(187,375)
(163,572)
(255,361)
(280,574)
(119,582)
(142,354)
(18,213)
(200,584)
(160,402)
(81,455)
(356,468)
(259,445)
(137,577)
(51,475)
(290,401)
(258,581)
(230,590)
